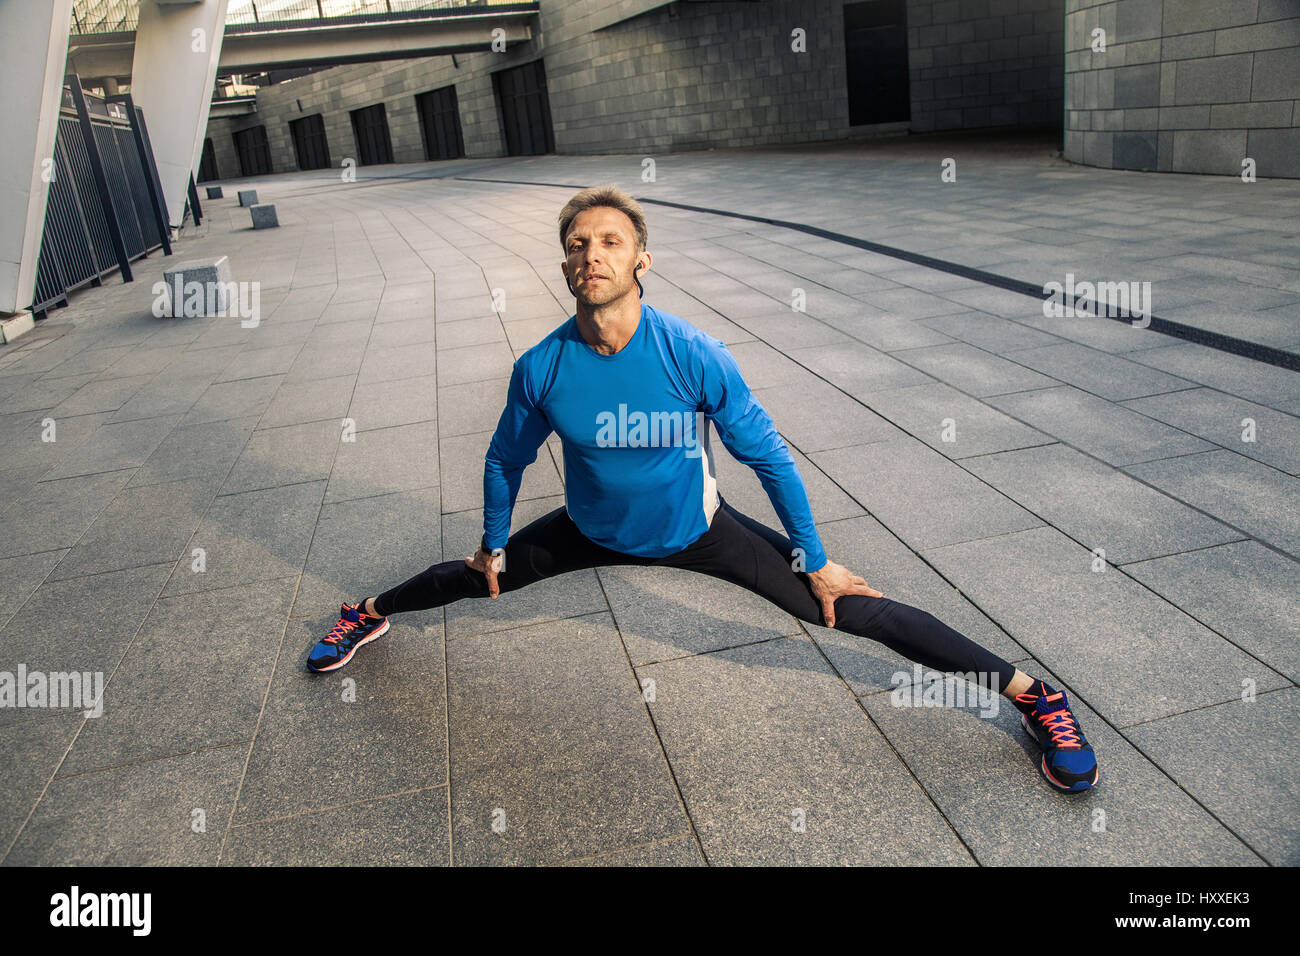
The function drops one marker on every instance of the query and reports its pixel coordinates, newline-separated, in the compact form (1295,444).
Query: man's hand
(831,581)
(489,565)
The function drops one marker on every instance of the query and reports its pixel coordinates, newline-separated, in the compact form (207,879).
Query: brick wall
(985,63)
(1192,86)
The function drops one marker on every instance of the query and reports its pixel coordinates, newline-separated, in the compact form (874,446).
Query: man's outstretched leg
(743,551)
(549,546)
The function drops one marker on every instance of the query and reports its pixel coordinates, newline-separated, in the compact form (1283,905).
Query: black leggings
(736,548)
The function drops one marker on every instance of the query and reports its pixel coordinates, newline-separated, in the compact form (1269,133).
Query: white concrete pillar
(177,46)
(33,51)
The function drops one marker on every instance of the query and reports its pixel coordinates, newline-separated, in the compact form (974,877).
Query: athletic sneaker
(1068,761)
(354,628)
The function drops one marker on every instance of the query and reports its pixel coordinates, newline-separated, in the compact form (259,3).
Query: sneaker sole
(377,632)
(1080,787)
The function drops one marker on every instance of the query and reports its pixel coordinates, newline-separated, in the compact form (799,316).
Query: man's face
(600,255)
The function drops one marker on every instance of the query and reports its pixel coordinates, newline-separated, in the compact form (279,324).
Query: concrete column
(177,46)
(33,49)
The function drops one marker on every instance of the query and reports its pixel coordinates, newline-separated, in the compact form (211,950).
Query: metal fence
(105,207)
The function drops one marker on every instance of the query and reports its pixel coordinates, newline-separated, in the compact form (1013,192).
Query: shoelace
(1060,725)
(341,630)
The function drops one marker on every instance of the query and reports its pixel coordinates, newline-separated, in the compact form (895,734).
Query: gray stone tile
(313,401)
(33,749)
(1099,427)
(1238,760)
(461,473)
(401,458)
(406,829)
(885,478)
(47,393)
(889,333)
(252,536)
(204,451)
(1100,373)
(239,399)
(567,595)
(286,455)
(55,514)
(475,363)
(168,697)
(482,331)
(403,332)
(398,362)
(765,367)
(1232,374)
(1263,615)
(316,363)
(1251,496)
(682,851)
(936,412)
(116,446)
(666,613)
(365,546)
(858,369)
(1221,419)
(100,396)
(317,750)
(991,791)
(989,332)
(401,402)
(20,576)
(864,547)
(743,490)
(974,371)
(784,329)
(86,625)
(142,525)
(1131,655)
(521,708)
(1097,505)
(260,361)
(766,785)
(816,416)
(472,407)
(142,816)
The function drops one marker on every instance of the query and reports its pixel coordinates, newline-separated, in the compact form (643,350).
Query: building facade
(1179,85)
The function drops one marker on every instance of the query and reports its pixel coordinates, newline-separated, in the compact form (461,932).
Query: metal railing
(105,207)
(122,16)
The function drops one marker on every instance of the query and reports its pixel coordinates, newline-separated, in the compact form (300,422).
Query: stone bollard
(264,216)
(214,192)
(199,287)
(248,197)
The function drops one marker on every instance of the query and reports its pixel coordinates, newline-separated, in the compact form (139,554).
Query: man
(628,389)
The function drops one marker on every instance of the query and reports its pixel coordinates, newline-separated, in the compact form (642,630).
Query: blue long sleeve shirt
(638,465)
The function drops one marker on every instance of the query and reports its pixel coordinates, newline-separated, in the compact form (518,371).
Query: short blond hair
(610,196)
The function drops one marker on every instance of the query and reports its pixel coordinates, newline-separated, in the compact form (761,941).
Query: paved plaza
(1114,509)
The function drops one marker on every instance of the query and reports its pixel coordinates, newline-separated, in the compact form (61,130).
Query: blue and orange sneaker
(1068,761)
(354,628)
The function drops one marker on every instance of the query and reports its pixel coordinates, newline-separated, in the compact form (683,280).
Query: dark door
(370,126)
(525,109)
(440,124)
(208,164)
(309,143)
(875,53)
(253,151)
